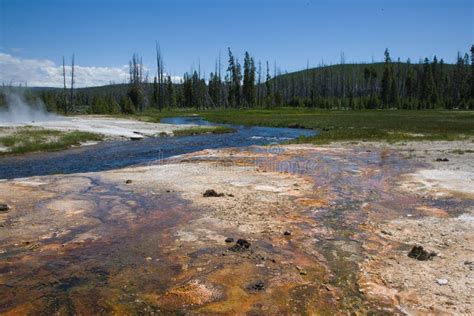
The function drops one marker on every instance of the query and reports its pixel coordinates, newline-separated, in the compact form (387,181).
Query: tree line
(428,84)
(389,85)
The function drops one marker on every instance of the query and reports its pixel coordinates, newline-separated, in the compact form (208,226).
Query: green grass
(203,130)
(340,125)
(370,125)
(32,140)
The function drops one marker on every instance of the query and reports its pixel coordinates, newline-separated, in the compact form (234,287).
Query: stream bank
(115,154)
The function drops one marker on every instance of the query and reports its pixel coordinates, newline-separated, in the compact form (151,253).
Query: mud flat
(288,230)
(445,283)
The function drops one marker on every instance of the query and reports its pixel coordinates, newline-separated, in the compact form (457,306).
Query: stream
(118,154)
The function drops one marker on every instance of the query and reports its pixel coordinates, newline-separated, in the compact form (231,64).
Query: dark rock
(442,159)
(212,193)
(230,195)
(301,270)
(229,239)
(418,253)
(240,245)
(287,233)
(386,232)
(68,283)
(470,264)
(243,243)
(128,181)
(256,286)
(4,207)
(100,273)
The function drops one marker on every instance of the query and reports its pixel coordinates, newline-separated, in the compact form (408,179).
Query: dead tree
(259,83)
(65,88)
(222,87)
(71,98)
(160,74)
(343,79)
(136,83)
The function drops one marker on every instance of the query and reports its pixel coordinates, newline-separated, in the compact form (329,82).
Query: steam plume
(18,110)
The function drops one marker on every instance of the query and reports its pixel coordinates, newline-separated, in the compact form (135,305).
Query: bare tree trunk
(72,83)
(343,79)
(160,74)
(65,88)
(259,83)
(158,71)
(306,81)
(221,88)
(274,77)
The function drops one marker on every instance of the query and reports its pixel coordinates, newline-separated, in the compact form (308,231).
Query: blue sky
(105,34)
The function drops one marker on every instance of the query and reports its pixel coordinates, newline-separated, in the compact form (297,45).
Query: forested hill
(388,85)
(300,77)
(363,85)
(350,71)
(115,89)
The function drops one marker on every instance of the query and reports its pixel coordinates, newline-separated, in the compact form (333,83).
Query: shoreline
(95,129)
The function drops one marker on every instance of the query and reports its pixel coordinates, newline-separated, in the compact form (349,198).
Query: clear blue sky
(292,32)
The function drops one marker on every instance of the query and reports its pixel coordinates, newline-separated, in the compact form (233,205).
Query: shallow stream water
(119,154)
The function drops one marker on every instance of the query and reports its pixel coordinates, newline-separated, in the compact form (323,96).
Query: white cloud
(45,73)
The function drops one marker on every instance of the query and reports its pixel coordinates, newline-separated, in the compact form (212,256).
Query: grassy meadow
(27,140)
(203,130)
(332,126)
(337,125)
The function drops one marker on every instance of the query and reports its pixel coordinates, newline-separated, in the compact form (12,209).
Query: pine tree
(188,98)
(237,80)
(252,91)
(387,78)
(394,98)
(126,105)
(428,92)
(136,81)
(441,82)
(112,105)
(410,85)
(367,78)
(435,71)
(214,88)
(233,86)
(472,71)
(249,80)
(196,91)
(98,105)
(268,88)
(170,93)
